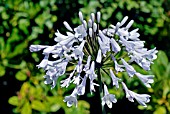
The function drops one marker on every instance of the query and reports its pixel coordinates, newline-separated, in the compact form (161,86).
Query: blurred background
(26,22)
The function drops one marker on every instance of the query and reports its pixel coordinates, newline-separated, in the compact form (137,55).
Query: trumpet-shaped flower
(114,79)
(72,99)
(108,98)
(81,87)
(130,70)
(146,79)
(117,67)
(142,99)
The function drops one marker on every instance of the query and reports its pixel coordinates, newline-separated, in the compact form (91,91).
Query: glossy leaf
(21,76)
(13,101)
(38,105)
(26,109)
(2,71)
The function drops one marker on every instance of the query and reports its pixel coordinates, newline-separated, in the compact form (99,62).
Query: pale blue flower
(87,66)
(76,79)
(80,32)
(115,47)
(123,32)
(133,35)
(142,99)
(118,68)
(44,62)
(104,47)
(146,79)
(108,98)
(51,80)
(92,84)
(85,24)
(72,99)
(35,48)
(78,51)
(47,80)
(81,87)
(114,79)
(151,54)
(91,74)
(67,81)
(130,70)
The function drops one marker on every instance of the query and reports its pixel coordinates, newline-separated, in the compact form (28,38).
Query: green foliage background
(24,22)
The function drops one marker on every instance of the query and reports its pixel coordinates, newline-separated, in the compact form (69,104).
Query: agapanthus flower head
(88,49)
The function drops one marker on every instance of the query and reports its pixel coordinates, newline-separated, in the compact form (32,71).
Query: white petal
(109,103)
(115,47)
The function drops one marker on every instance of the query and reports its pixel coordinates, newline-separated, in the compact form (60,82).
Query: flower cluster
(88,49)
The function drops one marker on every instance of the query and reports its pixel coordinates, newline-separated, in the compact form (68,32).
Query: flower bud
(98,17)
(129,24)
(81,16)
(67,26)
(94,27)
(92,17)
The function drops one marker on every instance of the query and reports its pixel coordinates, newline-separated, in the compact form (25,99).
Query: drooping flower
(34,48)
(108,98)
(72,99)
(114,79)
(44,62)
(130,70)
(146,79)
(115,47)
(141,98)
(87,66)
(92,76)
(118,68)
(81,87)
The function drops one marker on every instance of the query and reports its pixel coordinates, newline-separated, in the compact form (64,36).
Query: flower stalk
(100,90)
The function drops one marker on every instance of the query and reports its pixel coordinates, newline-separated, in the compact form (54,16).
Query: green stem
(100,90)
